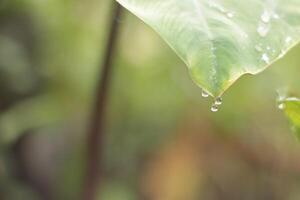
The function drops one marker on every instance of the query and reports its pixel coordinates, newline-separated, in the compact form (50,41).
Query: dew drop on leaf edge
(214,108)
(204,94)
(282,53)
(219,101)
(288,40)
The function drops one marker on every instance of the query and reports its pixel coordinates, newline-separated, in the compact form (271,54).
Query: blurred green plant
(291,108)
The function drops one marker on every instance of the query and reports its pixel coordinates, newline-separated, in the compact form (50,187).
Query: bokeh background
(162,142)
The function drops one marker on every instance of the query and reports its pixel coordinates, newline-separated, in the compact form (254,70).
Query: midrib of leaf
(213,56)
(203,19)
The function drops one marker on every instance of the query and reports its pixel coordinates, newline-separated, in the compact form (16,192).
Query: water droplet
(265,17)
(276,16)
(204,94)
(214,108)
(265,58)
(281,106)
(288,39)
(282,53)
(230,14)
(263,29)
(258,48)
(218,101)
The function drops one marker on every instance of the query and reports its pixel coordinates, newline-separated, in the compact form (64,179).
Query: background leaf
(291,107)
(222,40)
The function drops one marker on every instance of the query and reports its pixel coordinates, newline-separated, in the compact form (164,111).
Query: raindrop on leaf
(288,40)
(276,16)
(265,58)
(258,48)
(265,17)
(263,29)
(230,14)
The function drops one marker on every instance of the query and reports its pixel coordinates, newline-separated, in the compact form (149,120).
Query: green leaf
(222,40)
(291,107)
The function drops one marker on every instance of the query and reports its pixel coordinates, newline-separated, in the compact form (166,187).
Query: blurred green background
(162,142)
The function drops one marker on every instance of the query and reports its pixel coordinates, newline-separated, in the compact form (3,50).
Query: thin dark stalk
(95,137)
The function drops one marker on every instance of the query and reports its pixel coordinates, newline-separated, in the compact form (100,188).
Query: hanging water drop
(265,58)
(214,108)
(204,94)
(218,101)
(265,17)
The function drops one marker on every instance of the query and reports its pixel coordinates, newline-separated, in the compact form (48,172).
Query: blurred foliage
(291,107)
(162,142)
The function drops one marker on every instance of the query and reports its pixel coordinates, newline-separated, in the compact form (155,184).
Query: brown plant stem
(95,137)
